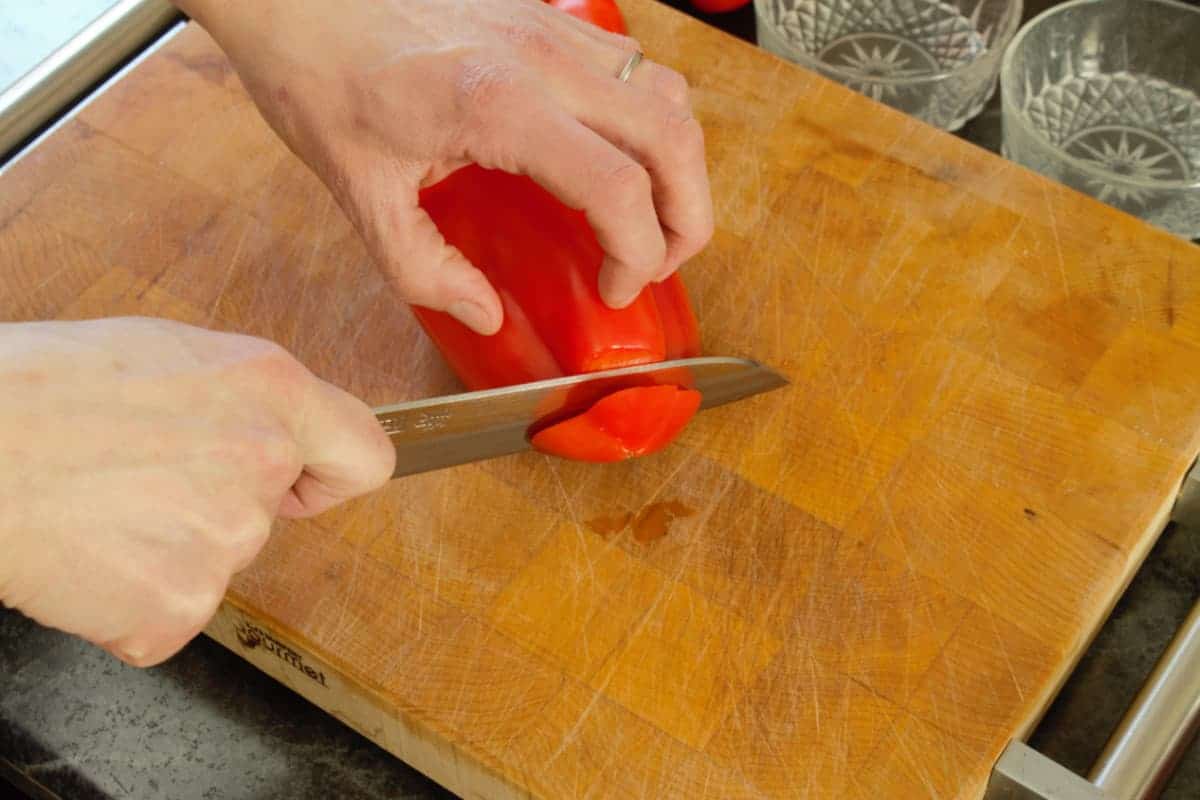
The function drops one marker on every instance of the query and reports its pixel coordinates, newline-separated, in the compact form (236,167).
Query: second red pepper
(602,13)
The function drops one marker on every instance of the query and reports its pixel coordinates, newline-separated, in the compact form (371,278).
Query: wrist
(203,11)
(224,19)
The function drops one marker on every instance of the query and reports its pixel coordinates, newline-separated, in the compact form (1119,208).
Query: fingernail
(474,316)
(612,292)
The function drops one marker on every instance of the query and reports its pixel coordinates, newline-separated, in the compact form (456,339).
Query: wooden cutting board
(859,587)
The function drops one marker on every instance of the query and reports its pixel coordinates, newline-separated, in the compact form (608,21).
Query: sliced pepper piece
(628,423)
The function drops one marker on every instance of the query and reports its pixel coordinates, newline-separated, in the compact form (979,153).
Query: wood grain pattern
(887,569)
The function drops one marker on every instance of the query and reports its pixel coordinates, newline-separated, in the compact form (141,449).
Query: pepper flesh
(617,427)
(544,261)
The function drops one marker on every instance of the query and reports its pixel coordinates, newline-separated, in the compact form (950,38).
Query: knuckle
(383,458)
(268,366)
(279,363)
(626,185)
(624,41)
(408,284)
(193,608)
(276,456)
(484,89)
(691,241)
(672,85)
(681,142)
(237,451)
(424,281)
(138,652)
(142,660)
(626,191)
(241,539)
(684,135)
(532,39)
(173,608)
(414,287)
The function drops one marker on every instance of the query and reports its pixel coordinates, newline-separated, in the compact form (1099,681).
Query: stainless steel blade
(456,429)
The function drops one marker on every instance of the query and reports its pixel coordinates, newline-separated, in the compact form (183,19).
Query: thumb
(427,271)
(345,450)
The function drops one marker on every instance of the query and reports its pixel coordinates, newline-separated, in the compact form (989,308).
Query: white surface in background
(30,30)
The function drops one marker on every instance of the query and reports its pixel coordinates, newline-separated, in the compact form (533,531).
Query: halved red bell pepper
(544,261)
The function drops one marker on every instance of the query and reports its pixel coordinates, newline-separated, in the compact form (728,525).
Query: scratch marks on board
(1062,267)
(229,270)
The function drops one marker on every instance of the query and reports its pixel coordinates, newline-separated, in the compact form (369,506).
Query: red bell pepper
(544,261)
(718,6)
(603,13)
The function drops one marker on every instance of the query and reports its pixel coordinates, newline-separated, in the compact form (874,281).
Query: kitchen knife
(441,432)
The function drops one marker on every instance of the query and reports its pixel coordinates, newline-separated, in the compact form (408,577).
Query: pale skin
(143,462)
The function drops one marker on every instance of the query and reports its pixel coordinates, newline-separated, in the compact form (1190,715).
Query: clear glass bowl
(934,59)
(1104,96)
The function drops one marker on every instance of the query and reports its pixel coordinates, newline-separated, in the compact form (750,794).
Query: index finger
(345,451)
(650,118)
(526,133)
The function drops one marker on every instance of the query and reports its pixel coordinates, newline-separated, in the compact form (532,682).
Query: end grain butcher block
(861,586)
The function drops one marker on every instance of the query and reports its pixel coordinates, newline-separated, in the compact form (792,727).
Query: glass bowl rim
(1011,23)
(1087,167)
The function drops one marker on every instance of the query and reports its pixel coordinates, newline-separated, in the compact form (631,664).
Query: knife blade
(440,432)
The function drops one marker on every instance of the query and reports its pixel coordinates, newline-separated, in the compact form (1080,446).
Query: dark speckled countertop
(75,723)
(203,725)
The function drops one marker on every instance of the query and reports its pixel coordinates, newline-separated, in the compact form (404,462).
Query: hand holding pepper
(544,259)
(383,99)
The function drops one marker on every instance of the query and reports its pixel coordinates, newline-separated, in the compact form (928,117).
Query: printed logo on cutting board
(251,637)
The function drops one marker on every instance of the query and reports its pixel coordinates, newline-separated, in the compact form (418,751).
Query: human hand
(142,463)
(384,98)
